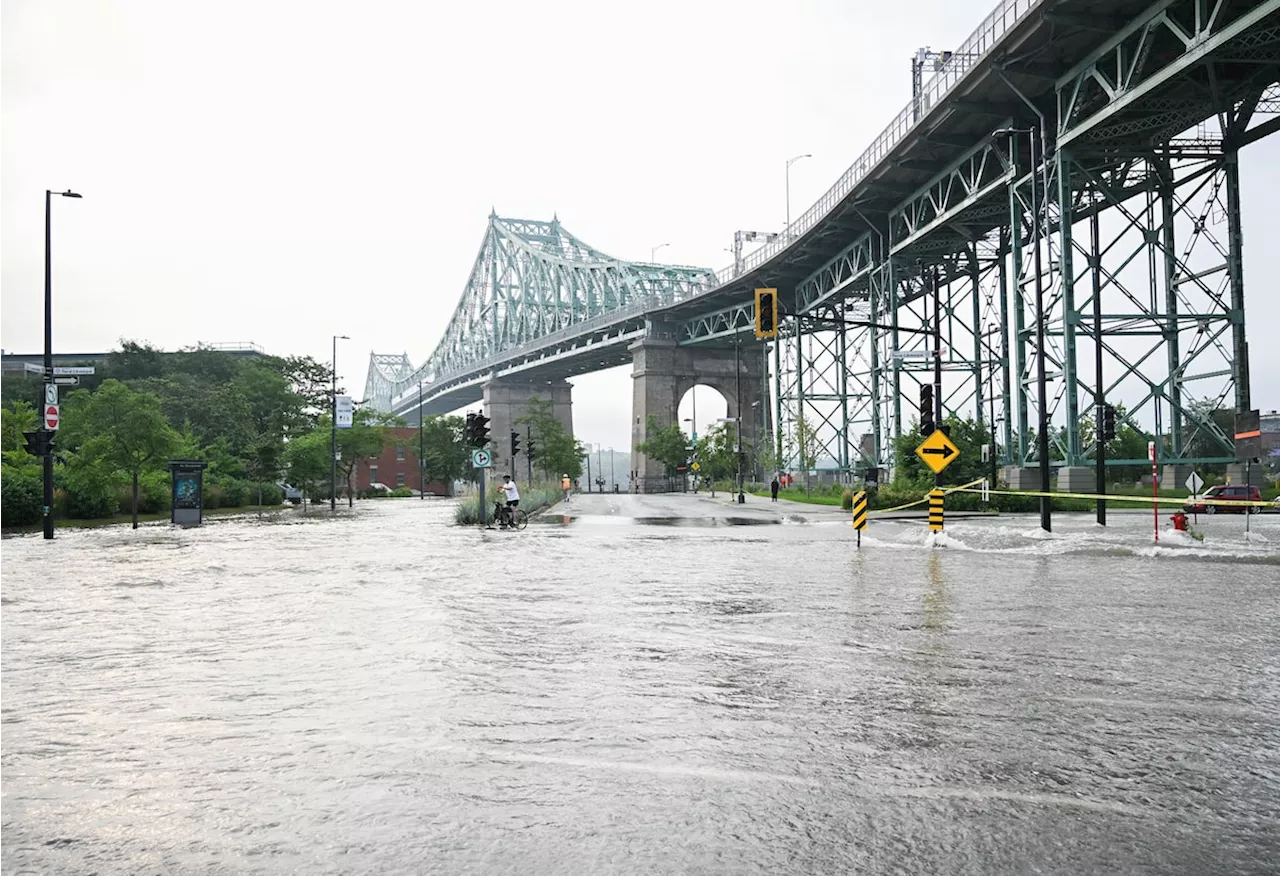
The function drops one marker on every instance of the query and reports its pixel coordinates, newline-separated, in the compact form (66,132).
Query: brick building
(397,465)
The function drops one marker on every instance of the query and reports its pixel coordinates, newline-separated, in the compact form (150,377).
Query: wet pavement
(387,693)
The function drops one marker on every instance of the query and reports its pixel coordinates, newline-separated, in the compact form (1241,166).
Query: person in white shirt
(508,487)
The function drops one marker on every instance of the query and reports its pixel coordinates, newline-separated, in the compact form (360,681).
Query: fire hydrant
(1180,521)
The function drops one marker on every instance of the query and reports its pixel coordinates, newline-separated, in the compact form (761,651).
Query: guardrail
(981,41)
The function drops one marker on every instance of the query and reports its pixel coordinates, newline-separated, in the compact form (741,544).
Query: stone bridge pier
(506,399)
(662,372)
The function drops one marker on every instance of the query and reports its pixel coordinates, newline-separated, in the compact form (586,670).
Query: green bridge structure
(1067,180)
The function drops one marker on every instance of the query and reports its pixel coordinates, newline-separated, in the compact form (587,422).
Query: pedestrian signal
(766,313)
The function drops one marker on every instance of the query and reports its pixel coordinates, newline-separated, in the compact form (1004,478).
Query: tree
(366,437)
(120,428)
(310,380)
(717,453)
(134,361)
(668,445)
(445,456)
(306,459)
(557,451)
(15,419)
(967,435)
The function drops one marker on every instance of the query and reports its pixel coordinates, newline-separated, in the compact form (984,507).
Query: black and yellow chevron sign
(935,510)
(860,510)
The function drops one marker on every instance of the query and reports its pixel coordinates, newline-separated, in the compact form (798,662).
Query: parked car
(1226,492)
(292,495)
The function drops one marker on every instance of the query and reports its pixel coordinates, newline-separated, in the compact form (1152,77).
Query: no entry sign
(51,416)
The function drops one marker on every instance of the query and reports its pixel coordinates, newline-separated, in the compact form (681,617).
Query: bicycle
(509,518)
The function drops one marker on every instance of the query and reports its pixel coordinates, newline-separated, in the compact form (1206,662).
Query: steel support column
(1070,317)
(1235,279)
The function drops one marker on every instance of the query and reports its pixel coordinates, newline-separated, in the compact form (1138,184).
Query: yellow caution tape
(961,487)
(1112,497)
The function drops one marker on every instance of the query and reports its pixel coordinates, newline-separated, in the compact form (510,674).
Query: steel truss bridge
(1120,216)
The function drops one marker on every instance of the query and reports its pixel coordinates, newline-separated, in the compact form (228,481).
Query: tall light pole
(48,358)
(653,252)
(791,161)
(1042,426)
(737,370)
(333,430)
(422,463)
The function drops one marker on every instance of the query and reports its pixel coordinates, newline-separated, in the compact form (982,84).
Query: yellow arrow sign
(937,451)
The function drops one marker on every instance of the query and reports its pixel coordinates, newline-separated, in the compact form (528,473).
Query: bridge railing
(981,41)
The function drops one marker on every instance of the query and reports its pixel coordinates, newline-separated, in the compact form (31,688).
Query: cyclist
(508,487)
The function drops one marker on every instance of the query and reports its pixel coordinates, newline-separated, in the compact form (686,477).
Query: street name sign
(937,451)
(72,369)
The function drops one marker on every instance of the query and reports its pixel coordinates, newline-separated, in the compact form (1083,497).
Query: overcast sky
(283,171)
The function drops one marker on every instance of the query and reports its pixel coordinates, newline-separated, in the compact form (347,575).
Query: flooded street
(386,693)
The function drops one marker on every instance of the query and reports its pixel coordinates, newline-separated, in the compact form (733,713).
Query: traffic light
(926,409)
(766,313)
(528,451)
(39,442)
(515,444)
(480,431)
(469,431)
(1108,422)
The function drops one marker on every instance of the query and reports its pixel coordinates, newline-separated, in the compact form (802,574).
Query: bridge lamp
(653,252)
(791,161)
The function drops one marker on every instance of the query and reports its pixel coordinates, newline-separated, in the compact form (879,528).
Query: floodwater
(384,693)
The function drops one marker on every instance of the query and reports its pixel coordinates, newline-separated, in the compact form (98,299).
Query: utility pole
(937,360)
(1098,388)
(1042,431)
(47,460)
(422,463)
(333,430)
(737,370)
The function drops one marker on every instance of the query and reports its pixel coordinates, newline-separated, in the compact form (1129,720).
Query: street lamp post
(653,252)
(422,463)
(1042,426)
(333,429)
(791,161)
(737,370)
(48,356)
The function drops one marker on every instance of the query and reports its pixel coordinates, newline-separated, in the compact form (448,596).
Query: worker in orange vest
(566,485)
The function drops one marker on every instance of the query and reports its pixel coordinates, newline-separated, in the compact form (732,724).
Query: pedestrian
(566,485)
(773,487)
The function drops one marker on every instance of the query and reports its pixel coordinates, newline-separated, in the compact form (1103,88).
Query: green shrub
(214,496)
(271,494)
(90,492)
(531,499)
(846,500)
(21,498)
(401,493)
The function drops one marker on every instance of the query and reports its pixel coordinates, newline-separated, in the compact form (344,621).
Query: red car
(1226,492)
